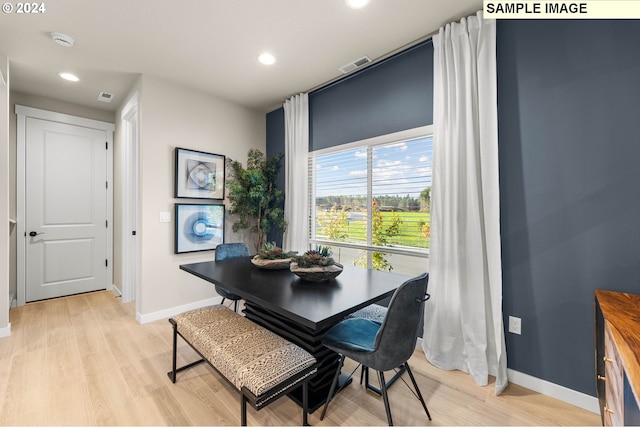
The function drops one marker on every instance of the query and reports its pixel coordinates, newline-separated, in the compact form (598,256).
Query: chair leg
(385,397)
(235,306)
(222,302)
(332,390)
(415,385)
(376,390)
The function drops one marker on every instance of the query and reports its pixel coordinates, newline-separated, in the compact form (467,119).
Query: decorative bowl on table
(317,273)
(271,257)
(271,264)
(315,265)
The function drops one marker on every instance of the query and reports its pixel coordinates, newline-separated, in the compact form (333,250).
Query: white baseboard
(6,331)
(173,311)
(116,291)
(576,398)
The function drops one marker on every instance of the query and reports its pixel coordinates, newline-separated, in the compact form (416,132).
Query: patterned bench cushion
(247,354)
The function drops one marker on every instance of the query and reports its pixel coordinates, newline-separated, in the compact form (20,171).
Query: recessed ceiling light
(62,39)
(70,77)
(356,4)
(266,58)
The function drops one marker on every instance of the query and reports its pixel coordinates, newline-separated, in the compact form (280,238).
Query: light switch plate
(165,216)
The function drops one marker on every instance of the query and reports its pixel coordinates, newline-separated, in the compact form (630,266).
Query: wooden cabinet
(617,321)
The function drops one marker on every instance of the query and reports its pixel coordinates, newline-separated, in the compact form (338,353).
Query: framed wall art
(198,227)
(199,175)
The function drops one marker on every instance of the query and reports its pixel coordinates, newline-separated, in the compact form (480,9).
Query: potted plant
(272,257)
(254,197)
(315,265)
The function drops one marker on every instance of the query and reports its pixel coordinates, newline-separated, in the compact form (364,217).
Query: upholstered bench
(261,365)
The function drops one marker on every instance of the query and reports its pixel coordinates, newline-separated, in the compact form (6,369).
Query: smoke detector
(62,39)
(355,64)
(105,97)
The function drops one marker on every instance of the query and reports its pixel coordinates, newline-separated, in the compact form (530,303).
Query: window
(370,201)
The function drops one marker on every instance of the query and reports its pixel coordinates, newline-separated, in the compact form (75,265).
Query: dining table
(299,310)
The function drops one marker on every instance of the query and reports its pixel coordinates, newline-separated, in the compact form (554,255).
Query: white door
(66,209)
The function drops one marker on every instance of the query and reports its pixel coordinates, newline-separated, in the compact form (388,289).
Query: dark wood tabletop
(314,305)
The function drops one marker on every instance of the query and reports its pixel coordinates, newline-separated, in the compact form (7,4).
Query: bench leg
(243,410)
(305,403)
(172,374)
(174,369)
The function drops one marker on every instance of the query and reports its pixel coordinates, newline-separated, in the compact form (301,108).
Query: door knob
(34,234)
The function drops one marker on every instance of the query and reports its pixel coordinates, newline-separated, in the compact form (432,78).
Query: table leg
(309,340)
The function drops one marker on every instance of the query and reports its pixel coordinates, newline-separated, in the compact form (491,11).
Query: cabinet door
(599,352)
(614,405)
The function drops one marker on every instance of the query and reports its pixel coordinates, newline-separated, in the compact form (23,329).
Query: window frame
(369,144)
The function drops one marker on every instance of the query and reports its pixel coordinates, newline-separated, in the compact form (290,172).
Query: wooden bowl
(271,264)
(316,274)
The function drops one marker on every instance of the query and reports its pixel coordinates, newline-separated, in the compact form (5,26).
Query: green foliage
(254,198)
(381,232)
(334,223)
(425,229)
(425,196)
(386,202)
(271,251)
(320,257)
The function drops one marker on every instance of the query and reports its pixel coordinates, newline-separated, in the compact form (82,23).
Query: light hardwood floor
(84,360)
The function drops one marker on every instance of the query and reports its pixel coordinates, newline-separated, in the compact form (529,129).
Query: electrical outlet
(515,325)
(165,216)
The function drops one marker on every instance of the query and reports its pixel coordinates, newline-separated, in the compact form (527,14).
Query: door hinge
(106,224)
(106,185)
(106,145)
(133,233)
(106,263)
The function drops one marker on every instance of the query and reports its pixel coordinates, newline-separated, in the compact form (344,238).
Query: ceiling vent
(105,97)
(355,64)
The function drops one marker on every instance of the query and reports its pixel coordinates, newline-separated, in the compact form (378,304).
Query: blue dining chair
(382,346)
(230,250)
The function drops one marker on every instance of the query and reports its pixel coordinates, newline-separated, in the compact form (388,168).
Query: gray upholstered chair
(384,346)
(230,250)
(375,312)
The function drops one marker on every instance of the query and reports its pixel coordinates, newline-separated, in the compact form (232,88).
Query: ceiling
(209,45)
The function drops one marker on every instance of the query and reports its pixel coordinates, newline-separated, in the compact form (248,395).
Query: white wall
(118,170)
(4,199)
(175,116)
(170,116)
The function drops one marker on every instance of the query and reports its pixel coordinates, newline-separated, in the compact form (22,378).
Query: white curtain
(296,140)
(463,319)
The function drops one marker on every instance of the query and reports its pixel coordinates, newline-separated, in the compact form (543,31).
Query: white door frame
(29,112)
(130,219)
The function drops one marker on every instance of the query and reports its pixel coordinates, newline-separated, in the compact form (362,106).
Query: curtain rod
(374,62)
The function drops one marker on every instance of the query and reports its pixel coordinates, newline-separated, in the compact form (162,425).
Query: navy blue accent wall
(275,137)
(393,95)
(275,145)
(569,109)
(569,140)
